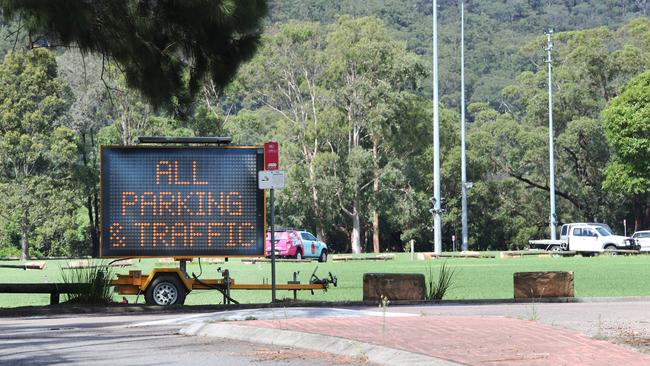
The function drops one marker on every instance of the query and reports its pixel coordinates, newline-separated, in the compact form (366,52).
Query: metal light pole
(437,237)
(273,284)
(549,60)
(463,168)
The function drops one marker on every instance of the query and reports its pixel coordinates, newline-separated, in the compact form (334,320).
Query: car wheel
(611,249)
(555,250)
(323,256)
(298,254)
(165,290)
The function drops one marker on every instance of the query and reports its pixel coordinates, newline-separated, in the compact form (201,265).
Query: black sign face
(181,201)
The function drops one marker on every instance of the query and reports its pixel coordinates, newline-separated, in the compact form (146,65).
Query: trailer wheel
(165,290)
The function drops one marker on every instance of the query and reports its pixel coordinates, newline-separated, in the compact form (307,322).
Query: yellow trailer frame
(136,283)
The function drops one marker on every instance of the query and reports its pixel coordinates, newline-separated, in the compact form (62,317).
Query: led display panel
(181,202)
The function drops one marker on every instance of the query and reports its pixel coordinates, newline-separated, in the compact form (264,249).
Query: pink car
(297,244)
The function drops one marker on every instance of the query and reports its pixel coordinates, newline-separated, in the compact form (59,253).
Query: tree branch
(546,188)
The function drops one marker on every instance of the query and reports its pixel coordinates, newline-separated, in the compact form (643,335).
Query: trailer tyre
(165,290)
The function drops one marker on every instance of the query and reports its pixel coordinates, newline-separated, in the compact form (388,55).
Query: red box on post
(271,156)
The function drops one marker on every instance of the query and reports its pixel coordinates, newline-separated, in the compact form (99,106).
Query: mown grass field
(487,278)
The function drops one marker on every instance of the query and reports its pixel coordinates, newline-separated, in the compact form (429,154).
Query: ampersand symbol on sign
(115,237)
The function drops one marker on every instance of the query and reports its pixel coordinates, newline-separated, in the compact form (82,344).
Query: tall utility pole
(549,61)
(463,167)
(437,227)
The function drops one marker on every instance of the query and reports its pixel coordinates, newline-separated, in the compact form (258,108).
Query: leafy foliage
(344,87)
(94,283)
(36,154)
(627,126)
(164,48)
(436,289)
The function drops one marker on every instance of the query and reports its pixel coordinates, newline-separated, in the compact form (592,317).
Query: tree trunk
(92,201)
(355,238)
(24,235)
(375,191)
(93,225)
(646,218)
(375,230)
(641,209)
(320,230)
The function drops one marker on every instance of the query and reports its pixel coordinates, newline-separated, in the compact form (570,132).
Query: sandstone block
(543,284)
(394,286)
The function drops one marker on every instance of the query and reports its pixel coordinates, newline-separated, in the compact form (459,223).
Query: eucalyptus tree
(627,125)
(36,152)
(284,81)
(592,65)
(371,73)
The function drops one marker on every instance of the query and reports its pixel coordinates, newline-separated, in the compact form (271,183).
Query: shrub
(9,251)
(437,290)
(94,283)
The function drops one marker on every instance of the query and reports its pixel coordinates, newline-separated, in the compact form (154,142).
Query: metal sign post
(273,287)
(271,178)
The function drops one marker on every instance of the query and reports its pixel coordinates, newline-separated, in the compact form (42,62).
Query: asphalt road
(106,340)
(113,340)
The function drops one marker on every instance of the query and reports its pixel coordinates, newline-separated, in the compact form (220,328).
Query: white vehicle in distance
(643,239)
(562,243)
(587,239)
(564,232)
(597,239)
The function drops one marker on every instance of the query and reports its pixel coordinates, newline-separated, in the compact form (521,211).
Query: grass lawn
(487,278)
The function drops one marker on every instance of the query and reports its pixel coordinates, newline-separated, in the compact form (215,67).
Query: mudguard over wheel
(165,290)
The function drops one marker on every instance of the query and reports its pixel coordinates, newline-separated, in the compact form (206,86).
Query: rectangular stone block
(394,286)
(543,284)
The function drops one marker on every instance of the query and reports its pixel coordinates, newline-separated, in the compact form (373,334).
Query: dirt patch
(634,335)
(286,354)
(638,339)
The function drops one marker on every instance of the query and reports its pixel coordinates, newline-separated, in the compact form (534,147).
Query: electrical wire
(218,288)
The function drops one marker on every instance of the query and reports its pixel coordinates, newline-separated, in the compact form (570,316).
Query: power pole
(549,61)
(463,167)
(437,227)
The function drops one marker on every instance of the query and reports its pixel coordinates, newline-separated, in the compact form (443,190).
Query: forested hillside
(495,32)
(345,87)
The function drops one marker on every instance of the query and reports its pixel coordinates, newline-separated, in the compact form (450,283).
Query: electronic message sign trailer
(183,202)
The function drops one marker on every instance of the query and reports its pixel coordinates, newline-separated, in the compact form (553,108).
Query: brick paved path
(469,340)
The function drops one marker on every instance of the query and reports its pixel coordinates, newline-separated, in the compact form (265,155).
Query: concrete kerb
(63,309)
(315,342)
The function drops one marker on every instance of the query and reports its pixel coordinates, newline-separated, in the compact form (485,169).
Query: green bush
(94,283)
(437,290)
(9,251)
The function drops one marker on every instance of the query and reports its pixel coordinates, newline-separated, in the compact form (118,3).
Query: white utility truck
(587,238)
